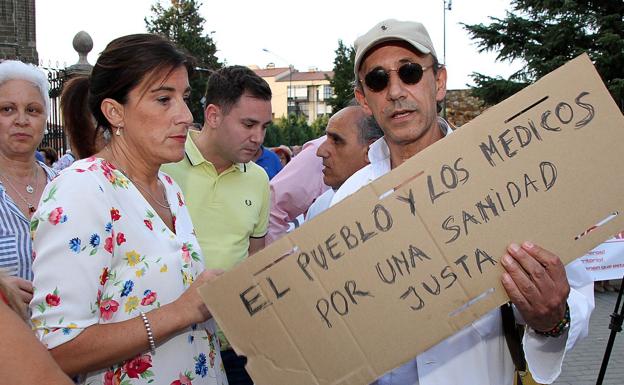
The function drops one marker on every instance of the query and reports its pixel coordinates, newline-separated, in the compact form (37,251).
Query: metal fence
(54,135)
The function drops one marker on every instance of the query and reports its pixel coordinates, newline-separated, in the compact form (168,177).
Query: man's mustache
(400,105)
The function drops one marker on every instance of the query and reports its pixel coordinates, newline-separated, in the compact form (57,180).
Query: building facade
(299,93)
(279,90)
(17,31)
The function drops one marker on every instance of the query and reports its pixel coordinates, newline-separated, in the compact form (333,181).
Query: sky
(304,34)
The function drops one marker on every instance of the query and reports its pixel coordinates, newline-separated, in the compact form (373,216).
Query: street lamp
(447,6)
(290,89)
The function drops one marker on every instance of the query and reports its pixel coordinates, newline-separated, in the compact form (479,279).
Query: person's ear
(361,99)
(212,116)
(364,153)
(113,111)
(441,84)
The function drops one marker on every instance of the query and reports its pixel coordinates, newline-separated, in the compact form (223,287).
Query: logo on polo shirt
(248,202)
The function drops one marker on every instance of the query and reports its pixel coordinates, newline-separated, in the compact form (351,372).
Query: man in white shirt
(400,82)
(349,133)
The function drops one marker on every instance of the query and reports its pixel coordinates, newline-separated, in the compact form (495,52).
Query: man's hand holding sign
(536,283)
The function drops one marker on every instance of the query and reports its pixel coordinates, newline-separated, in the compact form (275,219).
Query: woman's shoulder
(93,169)
(85,177)
(90,164)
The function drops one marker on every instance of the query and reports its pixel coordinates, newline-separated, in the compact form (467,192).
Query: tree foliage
(342,82)
(294,130)
(547,33)
(182,24)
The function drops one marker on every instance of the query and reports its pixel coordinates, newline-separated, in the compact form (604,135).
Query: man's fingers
(532,266)
(549,261)
(521,280)
(514,293)
(536,283)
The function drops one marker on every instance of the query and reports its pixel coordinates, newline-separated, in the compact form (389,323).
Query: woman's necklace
(29,189)
(163,205)
(142,188)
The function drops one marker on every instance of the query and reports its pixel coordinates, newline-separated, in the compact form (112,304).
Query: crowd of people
(102,250)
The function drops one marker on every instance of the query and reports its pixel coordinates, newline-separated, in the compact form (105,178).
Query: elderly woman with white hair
(24,106)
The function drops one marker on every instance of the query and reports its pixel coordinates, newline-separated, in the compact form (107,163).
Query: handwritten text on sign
(567,115)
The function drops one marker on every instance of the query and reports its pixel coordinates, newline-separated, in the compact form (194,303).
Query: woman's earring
(118,131)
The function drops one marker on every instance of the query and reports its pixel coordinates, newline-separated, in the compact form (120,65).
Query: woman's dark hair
(124,64)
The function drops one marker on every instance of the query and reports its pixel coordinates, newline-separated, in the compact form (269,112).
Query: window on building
(299,108)
(328,92)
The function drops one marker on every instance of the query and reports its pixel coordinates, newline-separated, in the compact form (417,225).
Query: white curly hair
(17,70)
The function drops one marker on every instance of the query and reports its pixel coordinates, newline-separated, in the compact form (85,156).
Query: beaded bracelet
(150,335)
(561,326)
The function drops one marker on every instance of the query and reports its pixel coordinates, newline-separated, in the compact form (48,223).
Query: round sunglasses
(409,73)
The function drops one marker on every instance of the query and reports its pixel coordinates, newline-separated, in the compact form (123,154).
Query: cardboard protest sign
(387,273)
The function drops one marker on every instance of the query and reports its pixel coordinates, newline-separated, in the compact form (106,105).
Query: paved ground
(581,366)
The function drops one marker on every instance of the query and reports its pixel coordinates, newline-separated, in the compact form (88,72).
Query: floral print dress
(103,255)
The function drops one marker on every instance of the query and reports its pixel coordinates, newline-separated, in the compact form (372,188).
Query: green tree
(294,131)
(317,128)
(342,81)
(278,132)
(273,137)
(298,130)
(182,24)
(547,33)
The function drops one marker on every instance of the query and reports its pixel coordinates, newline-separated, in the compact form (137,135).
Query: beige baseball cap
(411,32)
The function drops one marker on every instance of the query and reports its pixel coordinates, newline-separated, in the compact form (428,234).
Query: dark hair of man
(226,86)
(353,103)
(122,66)
(368,129)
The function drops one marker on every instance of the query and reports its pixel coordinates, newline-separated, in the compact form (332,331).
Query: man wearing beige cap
(400,81)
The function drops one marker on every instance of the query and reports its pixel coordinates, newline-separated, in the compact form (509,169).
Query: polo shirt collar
(195,156)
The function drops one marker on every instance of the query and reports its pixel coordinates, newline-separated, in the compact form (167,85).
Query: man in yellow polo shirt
(226,193)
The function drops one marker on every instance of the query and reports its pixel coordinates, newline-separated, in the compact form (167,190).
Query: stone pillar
(83,44)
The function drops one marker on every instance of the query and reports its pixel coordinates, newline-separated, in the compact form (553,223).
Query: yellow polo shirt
(226,209)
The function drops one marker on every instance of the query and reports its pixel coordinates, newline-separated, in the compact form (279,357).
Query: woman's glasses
(409,73)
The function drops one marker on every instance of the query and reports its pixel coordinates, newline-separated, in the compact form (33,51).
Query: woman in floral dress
(117,264)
